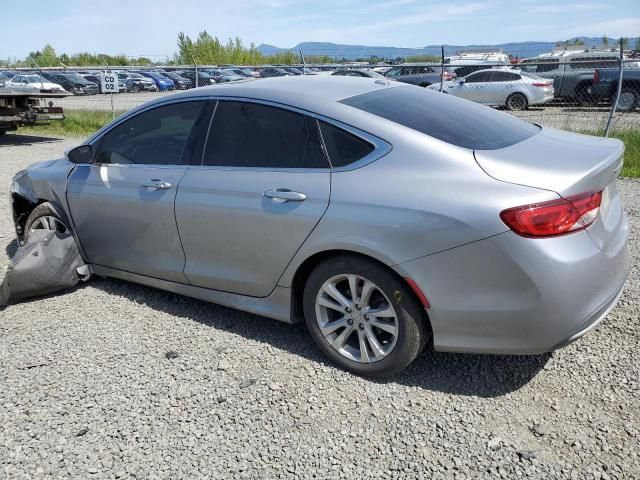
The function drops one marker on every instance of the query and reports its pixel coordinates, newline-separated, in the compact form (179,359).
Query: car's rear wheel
(43,217)
(363,317)
(629,99)
(517,101)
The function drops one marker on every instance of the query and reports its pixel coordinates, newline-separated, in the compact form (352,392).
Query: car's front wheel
(363,317)
(43,217)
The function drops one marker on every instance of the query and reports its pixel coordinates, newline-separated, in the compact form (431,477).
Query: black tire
(516,101)
(631,93)
(413,329)
(43,210)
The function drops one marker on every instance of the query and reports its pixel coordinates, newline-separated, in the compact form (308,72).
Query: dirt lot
(89,389)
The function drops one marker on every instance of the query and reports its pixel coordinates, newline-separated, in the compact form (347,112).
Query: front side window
(154,137)
(246,134)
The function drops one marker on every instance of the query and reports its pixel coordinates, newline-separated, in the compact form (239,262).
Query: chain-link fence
(570,90)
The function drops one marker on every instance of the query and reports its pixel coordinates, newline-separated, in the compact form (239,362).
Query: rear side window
(154,137)
(343,147)
(447,118)
(254,135)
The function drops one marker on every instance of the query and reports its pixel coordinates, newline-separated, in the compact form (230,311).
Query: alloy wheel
(356,318)
(48,222)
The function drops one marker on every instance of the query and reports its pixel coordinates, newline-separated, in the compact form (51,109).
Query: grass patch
(631,139)
(77,123)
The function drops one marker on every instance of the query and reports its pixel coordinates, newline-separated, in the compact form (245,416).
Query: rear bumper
(513,295)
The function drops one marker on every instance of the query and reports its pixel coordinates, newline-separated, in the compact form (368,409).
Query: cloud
(618,27)
(563,8)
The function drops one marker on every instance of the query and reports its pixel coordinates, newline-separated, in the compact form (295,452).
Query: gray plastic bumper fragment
(47,263)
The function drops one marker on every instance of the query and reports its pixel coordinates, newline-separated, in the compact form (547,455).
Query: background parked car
(292,70)
(221,75)
(204,78)
(31,83)
(162,82)
(72,82)
(501,87)
(605,87)
(571,71)
(273,72)
(179,82)
(135,82)
(367,73)
(421,75)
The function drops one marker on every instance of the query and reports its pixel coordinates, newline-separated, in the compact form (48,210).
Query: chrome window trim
(381,147)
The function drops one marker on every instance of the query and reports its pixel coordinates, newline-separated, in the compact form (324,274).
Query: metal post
(195,66)
(442,69)
(303,62)
(113,112)
(614,103)
(39,70)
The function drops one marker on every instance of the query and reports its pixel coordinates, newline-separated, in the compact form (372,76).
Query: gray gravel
(114,380)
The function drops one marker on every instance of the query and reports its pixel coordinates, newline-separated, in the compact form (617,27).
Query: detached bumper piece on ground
(48,263)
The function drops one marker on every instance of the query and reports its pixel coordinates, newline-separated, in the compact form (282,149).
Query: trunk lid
(566,163)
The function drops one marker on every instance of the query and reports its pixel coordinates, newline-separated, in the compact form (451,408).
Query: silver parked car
(500,87)
(385,215)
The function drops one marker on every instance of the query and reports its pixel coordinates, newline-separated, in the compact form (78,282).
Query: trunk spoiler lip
(506,164)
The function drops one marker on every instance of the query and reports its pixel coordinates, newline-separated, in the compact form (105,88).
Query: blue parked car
(163,83)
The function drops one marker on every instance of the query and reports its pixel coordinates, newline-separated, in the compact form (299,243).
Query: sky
(150,28)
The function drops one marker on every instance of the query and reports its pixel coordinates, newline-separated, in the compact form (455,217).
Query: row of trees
(604,42)
(47,57)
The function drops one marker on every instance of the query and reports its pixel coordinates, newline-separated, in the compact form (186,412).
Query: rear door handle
(156,184)
(282,195)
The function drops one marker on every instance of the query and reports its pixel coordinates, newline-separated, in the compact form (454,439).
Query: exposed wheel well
(305,269)
(22,208)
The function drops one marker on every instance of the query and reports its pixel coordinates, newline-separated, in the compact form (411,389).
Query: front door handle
(156,184)
(282,195)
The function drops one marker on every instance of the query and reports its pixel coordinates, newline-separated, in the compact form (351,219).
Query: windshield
(394,72)
(447,118)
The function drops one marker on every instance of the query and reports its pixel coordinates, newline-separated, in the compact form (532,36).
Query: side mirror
(461,81)
(81,154)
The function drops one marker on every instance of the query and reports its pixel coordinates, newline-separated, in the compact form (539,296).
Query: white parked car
(32,82)
(500,87)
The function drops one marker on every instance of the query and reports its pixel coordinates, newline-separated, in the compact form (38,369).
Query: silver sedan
(500,87)
(386,216)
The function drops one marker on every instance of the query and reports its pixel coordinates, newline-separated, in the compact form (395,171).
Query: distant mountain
(353,52)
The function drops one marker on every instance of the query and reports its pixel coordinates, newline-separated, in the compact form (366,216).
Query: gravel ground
(114,380)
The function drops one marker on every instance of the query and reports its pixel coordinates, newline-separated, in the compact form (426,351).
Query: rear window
(452,120)
(342,147)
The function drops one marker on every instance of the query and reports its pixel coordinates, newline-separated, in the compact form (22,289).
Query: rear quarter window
(447,118)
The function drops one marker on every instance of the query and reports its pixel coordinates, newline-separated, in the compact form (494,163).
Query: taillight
(596,76)
(447,76)
(556,217)
(538,84)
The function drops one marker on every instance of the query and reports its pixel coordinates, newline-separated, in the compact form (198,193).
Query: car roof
(294,90)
